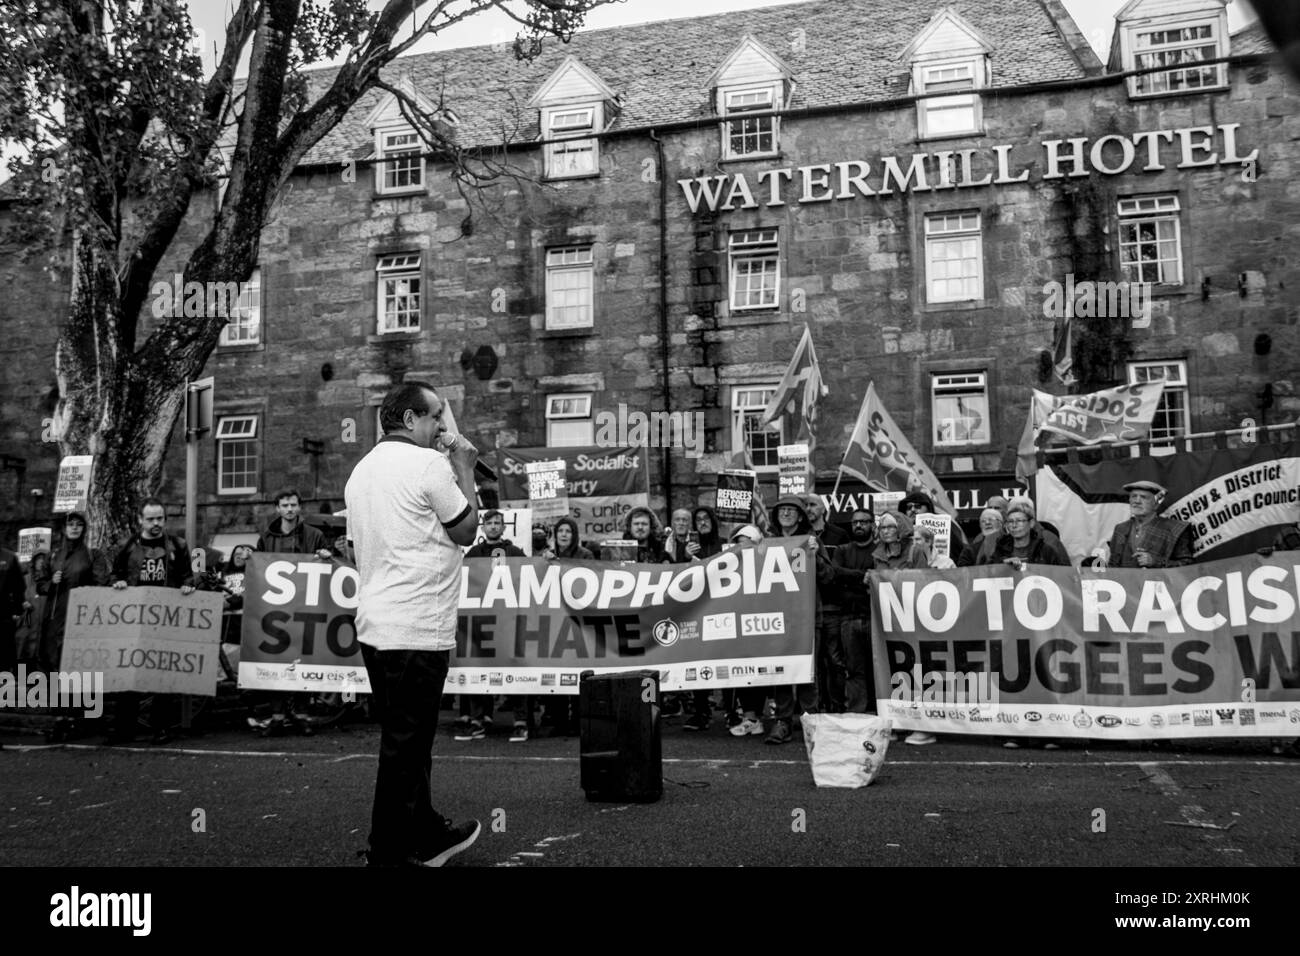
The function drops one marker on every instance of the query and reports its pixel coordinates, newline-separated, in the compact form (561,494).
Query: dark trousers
(860,686)
(476,707)
(406,694)
(832,666)
(164,713)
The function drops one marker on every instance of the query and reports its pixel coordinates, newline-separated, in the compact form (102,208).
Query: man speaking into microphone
(409,513)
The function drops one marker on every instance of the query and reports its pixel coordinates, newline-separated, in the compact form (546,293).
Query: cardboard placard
(548,494)
(72,493)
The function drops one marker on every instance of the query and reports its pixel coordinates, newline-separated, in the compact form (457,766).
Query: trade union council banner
(527,625)
(1209,650)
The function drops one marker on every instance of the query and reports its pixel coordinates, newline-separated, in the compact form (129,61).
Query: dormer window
(1182,48)
(958,112)
(574,152)
(753,136)
(401,167)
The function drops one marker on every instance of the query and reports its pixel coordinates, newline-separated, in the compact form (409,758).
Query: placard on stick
(72,492)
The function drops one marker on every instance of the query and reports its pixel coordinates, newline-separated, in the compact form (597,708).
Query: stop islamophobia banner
(742,618)
(1210,650)
(1234,498)
(602,484)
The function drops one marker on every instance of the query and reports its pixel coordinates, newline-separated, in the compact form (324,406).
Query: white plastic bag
(845,750)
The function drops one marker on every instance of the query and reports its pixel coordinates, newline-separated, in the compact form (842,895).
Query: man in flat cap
(1146,540)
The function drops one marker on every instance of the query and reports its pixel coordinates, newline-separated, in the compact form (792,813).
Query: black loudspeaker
(620,753)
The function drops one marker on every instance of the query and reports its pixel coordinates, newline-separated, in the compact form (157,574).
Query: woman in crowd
(980,549)
(898,551)
(72,565)
(923,542)
(566,543)
(704,523)
(1024,543)
(28,634)
(752,700)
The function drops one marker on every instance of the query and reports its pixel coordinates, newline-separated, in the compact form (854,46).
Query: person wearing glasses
(1023,543)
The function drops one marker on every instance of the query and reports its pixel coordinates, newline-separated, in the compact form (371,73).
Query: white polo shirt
(400,498)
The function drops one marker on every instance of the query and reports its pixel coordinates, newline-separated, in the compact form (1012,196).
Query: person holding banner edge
(410,512)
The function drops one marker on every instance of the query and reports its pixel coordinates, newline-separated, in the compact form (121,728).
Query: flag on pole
(1063,352)
(797,395)
(880,455)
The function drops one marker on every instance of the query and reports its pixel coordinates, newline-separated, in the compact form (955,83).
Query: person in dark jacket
(150,558)
(73,565)
(699,542)
(1146,540)
(288,533)
(642,526)
(493,545)
(831,535)
(980,549)
(851,564)
(1024,543)
(29,628)
(13,594)
(566,544)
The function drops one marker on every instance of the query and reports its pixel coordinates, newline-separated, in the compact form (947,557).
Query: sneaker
(520,734)
(918,739)
(161,737)
(671,707)
(1010,745)
(780,733)
(747,725)
(456,839)
(460,725)
(698,722)
(476,731)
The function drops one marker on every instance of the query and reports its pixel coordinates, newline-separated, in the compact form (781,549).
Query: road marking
(707,762)
(1193,814)
(523,856)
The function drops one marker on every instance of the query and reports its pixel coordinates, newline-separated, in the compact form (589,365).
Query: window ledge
(571,177)
(394,338)
(754,317)
(1226,88)
(958,451)
(752,158)
(578,333)
(940,137)
(967,305)
(400,193)
(235,349)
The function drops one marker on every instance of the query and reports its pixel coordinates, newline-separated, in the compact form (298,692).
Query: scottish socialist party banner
(602,484)
(1116,414)
(531,626)
(1234,498)
(1210,650)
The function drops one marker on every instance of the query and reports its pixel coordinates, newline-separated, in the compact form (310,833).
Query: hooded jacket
(575,551)
(303,539)
(907,556)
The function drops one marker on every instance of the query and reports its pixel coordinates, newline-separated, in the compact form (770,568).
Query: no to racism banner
(1209,650)
(148,639)
(602,484)
(1116,414)
(1234,498)
(532,626)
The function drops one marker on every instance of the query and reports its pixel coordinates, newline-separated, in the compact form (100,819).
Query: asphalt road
(234,799)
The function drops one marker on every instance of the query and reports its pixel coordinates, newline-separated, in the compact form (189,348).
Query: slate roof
(850,53)
(1251,39)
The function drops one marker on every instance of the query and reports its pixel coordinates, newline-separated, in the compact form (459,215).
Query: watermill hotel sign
(1151,151)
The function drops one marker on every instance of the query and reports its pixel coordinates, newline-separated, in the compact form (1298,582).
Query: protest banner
(31,540)
(941,525)
(148,639)
(883,501)
(299,628)
(72,491)
(881,456)
(735,496)
(1123,413)
(548,495)
(795,471)
(602,484)
(742,618)
(1210,650)
(1234,498)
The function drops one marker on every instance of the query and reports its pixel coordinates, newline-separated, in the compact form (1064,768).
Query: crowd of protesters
(34,603)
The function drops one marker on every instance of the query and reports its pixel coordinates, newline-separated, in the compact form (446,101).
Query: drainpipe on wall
(666,461)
